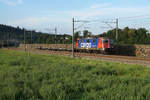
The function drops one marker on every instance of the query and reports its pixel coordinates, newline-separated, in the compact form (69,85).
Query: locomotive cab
(107,44)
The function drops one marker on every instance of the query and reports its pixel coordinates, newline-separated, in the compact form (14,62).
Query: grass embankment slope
(63,78)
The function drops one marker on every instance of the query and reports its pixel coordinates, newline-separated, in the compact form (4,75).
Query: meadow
(51,77)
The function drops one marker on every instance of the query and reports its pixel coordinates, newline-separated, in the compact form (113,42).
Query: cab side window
(94,41)
(88,41)
(111,41)
(82,41)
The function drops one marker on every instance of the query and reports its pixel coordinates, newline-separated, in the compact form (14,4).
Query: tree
(86,33)
(17,34)
(129,35)
(132,36)
(141,33)
(77,35)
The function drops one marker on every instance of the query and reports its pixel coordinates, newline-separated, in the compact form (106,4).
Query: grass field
(62,78)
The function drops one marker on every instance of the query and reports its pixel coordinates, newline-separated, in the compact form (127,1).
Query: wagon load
(143,50)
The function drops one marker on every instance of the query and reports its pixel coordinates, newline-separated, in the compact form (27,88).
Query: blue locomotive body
(88,43)
(95,43)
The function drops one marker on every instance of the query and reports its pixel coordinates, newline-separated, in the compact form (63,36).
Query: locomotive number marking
(86,45)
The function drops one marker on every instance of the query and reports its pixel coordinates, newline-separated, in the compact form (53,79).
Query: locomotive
(101,44)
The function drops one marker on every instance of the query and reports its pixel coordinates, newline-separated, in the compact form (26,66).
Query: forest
(129,35)
(16,35)
(125,36)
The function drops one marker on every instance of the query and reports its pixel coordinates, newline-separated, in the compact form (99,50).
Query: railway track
(110,58)
(96,56)
(102,55)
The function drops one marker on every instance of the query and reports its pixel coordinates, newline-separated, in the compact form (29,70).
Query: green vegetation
(63,78)
(11,35)
(15,35)
(130,35)
(125,36)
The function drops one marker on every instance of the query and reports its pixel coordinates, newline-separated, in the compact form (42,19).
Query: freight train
(93,45)
(101,44)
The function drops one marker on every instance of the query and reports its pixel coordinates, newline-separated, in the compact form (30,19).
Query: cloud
(11,2)
(35,21)
(109,11)
(30,21)
(44,24)
(95,11)
(94,6)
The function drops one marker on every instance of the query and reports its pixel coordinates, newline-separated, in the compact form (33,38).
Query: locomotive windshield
(105,41)
(111,41)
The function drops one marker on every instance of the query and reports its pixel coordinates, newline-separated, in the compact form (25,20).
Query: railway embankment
(127,50)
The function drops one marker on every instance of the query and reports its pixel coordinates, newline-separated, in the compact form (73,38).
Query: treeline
(15,35)
(9,34)
(129,35)
(125,36)
(84,34)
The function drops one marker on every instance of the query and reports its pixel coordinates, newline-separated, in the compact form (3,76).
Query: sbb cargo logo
(86,45)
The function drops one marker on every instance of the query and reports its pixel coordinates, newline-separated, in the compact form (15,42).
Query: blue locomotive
(102,43)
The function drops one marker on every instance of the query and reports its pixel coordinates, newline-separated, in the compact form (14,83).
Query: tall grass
(62,78)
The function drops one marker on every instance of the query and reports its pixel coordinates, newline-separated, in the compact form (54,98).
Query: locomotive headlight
(103,49)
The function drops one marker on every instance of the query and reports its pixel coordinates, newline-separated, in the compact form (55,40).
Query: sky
(45,15)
